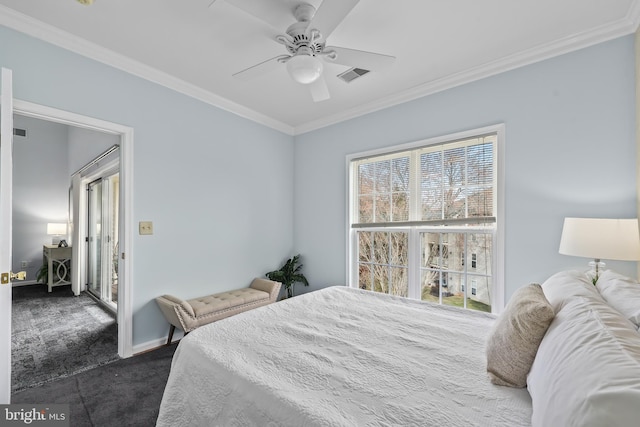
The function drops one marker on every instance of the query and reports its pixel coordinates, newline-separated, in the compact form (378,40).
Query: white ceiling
(194,46)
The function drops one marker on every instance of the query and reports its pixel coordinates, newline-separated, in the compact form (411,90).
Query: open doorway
(63,317)
(124,135)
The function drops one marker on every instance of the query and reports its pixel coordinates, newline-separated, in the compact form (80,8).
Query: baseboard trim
(155,344)
(25,283)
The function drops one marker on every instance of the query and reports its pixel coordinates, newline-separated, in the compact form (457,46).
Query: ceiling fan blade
(330,14)
(359,58)
(259,69)
(319,90)
(277,14)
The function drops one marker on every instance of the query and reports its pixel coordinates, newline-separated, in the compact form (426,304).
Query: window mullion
(413,257)
(354,197)
(414,187)
(465,186)
(413,263)
(465,276)
(354,259)
(389,264)
(442,185)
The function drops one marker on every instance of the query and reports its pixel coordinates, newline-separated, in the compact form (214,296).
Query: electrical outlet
(145,227)
(24,264)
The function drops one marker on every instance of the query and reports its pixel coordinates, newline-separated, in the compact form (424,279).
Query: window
(424,222)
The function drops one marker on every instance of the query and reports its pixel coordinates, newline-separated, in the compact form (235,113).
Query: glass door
(102,237)
(94,238)
(111,199)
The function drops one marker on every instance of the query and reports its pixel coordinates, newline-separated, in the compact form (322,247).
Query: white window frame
(498,265)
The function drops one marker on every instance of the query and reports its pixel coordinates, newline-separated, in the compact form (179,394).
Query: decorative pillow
(587,368)
(516,335)
(622,293)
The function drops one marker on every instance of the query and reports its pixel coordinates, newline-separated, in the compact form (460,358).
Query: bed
(569,351)
(341,357)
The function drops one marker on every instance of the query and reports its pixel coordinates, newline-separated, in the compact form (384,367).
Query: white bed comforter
(340,357)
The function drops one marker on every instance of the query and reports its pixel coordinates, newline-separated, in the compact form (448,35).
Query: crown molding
(633,16)
(27,25)
(50,34)
(627,25)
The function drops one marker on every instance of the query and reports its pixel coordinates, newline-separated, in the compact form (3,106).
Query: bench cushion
(218,302)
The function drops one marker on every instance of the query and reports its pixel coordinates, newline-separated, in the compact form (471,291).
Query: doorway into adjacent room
(75,318)
(33,208)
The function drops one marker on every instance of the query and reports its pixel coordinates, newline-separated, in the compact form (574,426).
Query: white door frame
(125,274)
(6,176)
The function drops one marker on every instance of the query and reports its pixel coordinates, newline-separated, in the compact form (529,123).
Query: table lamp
(56,230)
(601,238)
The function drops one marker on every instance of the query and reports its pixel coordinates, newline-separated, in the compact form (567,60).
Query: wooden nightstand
(59,265)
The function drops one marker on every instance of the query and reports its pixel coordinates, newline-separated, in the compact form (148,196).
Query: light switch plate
(145,227)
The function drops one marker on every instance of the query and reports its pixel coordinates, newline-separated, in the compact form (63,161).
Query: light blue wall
(217,187)
(570,151)
(40,189)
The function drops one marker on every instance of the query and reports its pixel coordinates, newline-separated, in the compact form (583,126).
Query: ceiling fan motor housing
(299,33)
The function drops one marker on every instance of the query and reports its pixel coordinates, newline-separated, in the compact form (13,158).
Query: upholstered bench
(190,314)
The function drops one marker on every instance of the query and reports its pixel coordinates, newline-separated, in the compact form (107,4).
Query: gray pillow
(516,336)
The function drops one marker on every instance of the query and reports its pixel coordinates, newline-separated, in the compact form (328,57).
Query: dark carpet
(123,393)
(58,334)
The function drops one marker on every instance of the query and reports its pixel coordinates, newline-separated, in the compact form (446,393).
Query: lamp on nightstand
(600,238)
(56,230)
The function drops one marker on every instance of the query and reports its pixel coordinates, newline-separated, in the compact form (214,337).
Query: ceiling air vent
(352,74)
(20,132)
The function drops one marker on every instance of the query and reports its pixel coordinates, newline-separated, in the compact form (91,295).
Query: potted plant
(42,276)
(289,274)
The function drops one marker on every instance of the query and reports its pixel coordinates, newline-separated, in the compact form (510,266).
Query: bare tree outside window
(383,262)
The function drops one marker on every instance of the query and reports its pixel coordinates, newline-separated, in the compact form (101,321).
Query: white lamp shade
(598,238)
(304,69)
(56,229)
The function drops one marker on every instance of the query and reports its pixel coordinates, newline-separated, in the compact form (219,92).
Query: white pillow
(564,286)
(587,368)
(622,293)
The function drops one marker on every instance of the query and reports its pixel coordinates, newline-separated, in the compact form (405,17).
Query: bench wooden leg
(171,331)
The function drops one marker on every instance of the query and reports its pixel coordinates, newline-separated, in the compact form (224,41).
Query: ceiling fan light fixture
(304,68)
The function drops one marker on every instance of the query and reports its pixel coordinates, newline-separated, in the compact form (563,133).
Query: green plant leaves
(289,274)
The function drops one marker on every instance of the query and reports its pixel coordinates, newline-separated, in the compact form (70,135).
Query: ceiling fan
(305,42)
